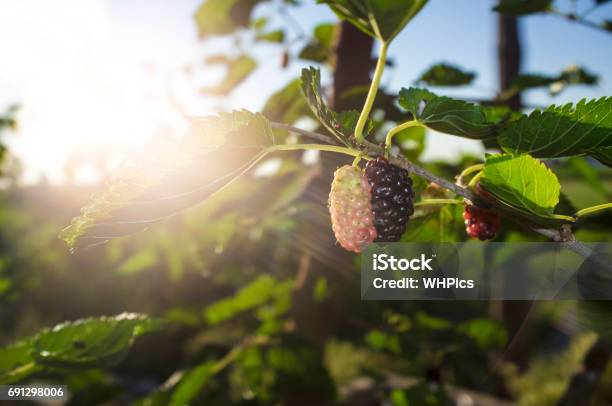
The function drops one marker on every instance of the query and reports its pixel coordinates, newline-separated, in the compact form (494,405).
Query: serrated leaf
(563,131)
(221,17)
(447,115)
(523,7)
(100,341)
(94,342)
(444,74)
(276,36)
(216,151)
(382,19)
(341,125)
(319,49)
(522,182)
(238,69)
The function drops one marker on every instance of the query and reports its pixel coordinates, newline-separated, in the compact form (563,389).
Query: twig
(563,235)
(578,19)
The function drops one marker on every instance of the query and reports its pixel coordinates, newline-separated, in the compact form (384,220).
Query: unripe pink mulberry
(350,208)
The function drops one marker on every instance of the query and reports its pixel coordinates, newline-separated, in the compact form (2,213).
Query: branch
(398,160)
(564,235)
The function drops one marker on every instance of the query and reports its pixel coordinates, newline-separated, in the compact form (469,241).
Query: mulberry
(480,223)
(350,208)
(392,197)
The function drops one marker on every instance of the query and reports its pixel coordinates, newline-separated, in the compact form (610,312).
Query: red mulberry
(350,208)
(481,223)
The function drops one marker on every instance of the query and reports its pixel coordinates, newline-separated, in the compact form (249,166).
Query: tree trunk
(509,56)
(514,313)
(353,64)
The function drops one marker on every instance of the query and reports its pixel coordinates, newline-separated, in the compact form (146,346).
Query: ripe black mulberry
(392,198)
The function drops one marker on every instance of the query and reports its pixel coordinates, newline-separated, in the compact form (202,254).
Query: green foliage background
(239,301)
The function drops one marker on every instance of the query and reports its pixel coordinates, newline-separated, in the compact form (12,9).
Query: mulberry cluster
(392,197)
(351,210)
(481,223)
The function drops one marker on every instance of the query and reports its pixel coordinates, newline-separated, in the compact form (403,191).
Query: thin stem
(429,202)
(319,147)
(475,179)
(357,160)
(392,132)
(467,171)
(369,102)
(593,209)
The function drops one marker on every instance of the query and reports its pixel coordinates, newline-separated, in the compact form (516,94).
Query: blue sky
(104,77)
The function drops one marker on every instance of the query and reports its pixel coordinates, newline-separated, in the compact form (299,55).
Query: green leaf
(446,115)
(100,341)
(16,361)
(383,341)
(250,296)
(160,184)
(443,74)
(141,260)
(93,342)
(276,36)
(563,131)
(522,182)
(287,105)
(382,19)
(192,383)
(220,17)
(486,333)
(259,23)
(572,75)
(442,223)
(319,49)
(603,155)
(523,7)
(238,69)
(340,125)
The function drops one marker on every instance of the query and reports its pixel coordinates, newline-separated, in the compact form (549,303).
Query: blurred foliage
(319,49)
(444,74)
(546,380)
(572,75)
(246,303)
(220,17)
(522,7)
(287,105)
(238,69)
